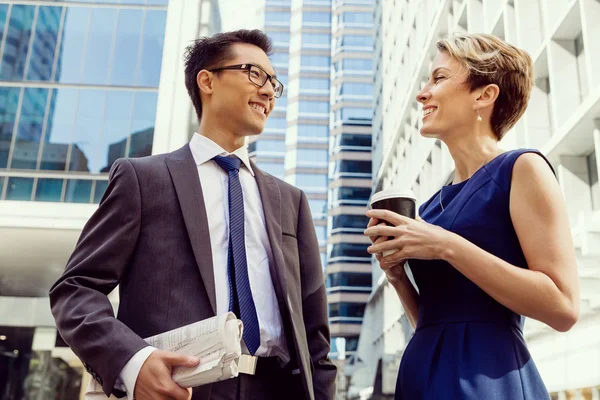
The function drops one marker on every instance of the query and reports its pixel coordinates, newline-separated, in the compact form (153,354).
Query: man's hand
(154,381)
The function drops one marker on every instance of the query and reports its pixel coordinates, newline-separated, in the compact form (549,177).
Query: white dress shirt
(272,337)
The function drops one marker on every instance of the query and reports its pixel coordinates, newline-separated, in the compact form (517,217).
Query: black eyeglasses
(257,76)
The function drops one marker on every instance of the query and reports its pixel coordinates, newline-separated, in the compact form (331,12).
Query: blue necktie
(240,295)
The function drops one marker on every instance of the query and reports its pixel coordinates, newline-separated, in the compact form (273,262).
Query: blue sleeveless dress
(466,344)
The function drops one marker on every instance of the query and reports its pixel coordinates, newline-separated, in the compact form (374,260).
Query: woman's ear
(204,80)
(486,96)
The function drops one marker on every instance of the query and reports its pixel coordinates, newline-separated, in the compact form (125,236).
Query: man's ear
(486,96)
(204,80)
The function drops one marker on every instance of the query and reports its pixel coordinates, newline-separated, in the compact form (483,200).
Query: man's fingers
(178,360)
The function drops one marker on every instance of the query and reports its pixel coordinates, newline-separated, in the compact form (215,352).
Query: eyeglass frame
(248,67)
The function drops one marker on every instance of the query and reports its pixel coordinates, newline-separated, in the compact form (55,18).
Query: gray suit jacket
(150,235)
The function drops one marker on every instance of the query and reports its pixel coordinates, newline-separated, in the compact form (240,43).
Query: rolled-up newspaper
(215,341)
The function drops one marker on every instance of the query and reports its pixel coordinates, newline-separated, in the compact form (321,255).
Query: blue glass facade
(78,90)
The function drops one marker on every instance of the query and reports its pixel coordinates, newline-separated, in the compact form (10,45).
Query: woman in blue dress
(491,248)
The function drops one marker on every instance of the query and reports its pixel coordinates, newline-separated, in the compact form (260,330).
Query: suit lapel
(271,202)
(184,174)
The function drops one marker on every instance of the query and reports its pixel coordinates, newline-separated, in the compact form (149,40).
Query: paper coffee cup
(400,201)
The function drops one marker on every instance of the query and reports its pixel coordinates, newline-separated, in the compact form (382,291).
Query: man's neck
(227,140)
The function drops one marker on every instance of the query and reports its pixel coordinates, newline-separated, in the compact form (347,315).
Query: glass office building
(81,85)
(78,89)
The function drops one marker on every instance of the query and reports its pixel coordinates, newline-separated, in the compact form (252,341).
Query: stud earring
(479,119)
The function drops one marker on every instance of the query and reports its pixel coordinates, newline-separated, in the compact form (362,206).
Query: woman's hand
(410,238)
(393,271)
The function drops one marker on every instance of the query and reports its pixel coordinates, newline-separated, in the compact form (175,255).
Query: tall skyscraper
(79,87)
(561,121)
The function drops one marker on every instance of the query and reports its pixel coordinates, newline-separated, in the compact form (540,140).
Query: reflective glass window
(116,129)
(356,279)
(351,167)
(48,189)
(59,129)
(314,106)
(354,88)
(86,138)
(350,115)
(19,189)
(270,146)
(99,190)
(351,250)
(312,84)
(78,191)
(16,44)
(3,15)
(352,310)
(310,182)
(357,41)
(307,131)
(321,232)
(349,221)
(69,67)
(310,156)
(99,44)
(315,61)
(29,131)
(350,141)
(142,125)
(357,18)
(276,123)
(127,42)
(320,18)
(9,101)
(279,37)
(277,17)
(280,59)
(44,44)
(357,64)
(316,39)
(350,195)
(152,48)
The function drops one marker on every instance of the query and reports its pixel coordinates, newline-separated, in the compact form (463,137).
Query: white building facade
(562,120)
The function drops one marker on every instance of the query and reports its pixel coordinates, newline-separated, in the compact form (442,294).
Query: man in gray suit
(196,233)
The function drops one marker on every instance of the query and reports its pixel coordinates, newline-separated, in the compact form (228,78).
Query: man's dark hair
(212,52)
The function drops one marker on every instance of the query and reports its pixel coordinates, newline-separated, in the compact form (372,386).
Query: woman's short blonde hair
(491,60)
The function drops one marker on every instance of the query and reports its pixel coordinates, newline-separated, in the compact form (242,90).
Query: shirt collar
(203,150)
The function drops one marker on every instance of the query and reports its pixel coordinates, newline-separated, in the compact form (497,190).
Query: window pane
(361,89)
(318,39)
(69,68)
(310,183)
(78,191)
(280,59)
(349,250)
(142,128)
(99,191)
(48,189)
(350,222)
(268,148)
(19,189)
(276,123)
(86,139)
(3,15)
(356,279)
(9,100)
(314,107)
(29,133)
(59,130)
(357,17)
(316,18)
(2,180)
(357,64)
(44,44)
(319,131)
(311,156)
(99,45)
(17,43)
(314,84)
(152,48)
(277,18)
(126,47)
(315,61)
(117,122)
(279,37)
